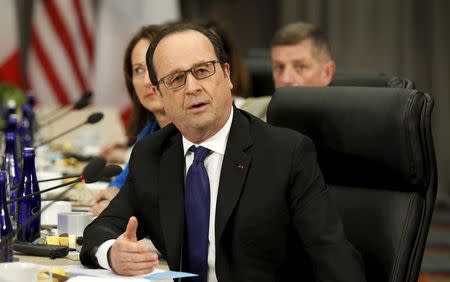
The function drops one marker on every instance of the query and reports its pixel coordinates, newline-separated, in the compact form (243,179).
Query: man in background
(301,56)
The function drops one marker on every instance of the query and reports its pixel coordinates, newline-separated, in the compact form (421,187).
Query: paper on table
(100,275)
(168,275)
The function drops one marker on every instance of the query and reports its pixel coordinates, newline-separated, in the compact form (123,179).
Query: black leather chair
(260,68)
(375,149)
(370,79)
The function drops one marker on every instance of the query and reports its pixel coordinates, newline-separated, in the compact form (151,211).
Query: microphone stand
(60,114)
(57,178)
(59,135)
(45,190)
(80,104)
(92,119)
(49,116)
(91,173)
(50,179)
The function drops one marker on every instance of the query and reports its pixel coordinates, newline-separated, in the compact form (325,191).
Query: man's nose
(192,85)
(287,77)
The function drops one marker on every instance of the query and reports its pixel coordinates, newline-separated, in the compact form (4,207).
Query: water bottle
(29,110)
(6,230)
(28,209)
(11,124)
(31,98)
(28,113)
(26,130)
(11,108)
(11,167)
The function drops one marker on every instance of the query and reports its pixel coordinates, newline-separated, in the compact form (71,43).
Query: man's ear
(328,72)
(227,72)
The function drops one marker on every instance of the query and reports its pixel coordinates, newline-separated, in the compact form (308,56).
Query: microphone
(62,111)
(109,171)
(91,173)
(92,119)
(83,102)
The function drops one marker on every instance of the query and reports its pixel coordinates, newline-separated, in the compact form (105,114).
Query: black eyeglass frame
(185,72)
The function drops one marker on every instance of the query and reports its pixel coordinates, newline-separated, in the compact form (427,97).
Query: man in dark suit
(269,215)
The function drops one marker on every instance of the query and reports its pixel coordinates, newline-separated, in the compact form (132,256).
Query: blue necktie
(196,208)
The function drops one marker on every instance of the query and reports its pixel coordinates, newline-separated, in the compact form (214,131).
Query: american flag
(9,45)
(74,48)
(61,52)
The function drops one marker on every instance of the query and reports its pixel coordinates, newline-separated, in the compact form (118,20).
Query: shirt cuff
(102,254)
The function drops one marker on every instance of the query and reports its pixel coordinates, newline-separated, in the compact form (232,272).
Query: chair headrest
(364,136)
(360,78)
(370,79)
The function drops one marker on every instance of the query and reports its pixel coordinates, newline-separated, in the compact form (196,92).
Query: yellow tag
(59,271)
(52,240)
(64,241)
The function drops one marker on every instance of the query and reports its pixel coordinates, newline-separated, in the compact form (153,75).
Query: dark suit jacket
(274,216)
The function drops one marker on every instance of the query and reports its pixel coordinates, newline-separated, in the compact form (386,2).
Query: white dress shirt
(213,164)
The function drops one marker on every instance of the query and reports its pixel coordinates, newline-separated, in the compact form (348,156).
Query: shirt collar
(216,143)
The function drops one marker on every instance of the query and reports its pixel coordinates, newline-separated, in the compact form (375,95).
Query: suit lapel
(235,166)
(171,199)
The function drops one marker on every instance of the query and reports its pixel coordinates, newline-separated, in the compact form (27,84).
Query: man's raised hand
(127,256)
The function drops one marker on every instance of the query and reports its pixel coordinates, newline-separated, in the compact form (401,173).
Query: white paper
(83,274)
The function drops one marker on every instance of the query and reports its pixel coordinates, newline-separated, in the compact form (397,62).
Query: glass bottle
(11,108)
(6,230)
(28,209)
(11,124)
(11,167)
(28,113)
(26,130)
(29,110)
(31,98)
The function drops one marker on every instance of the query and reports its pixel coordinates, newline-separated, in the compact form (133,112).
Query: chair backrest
(376,152)
(370,79)
(260,67)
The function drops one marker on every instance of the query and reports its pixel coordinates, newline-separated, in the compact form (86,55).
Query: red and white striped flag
(9,44)
(61,52)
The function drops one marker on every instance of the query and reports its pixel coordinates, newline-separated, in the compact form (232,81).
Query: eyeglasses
(199,71)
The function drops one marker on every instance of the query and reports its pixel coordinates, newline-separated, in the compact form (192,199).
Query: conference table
(70,261)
